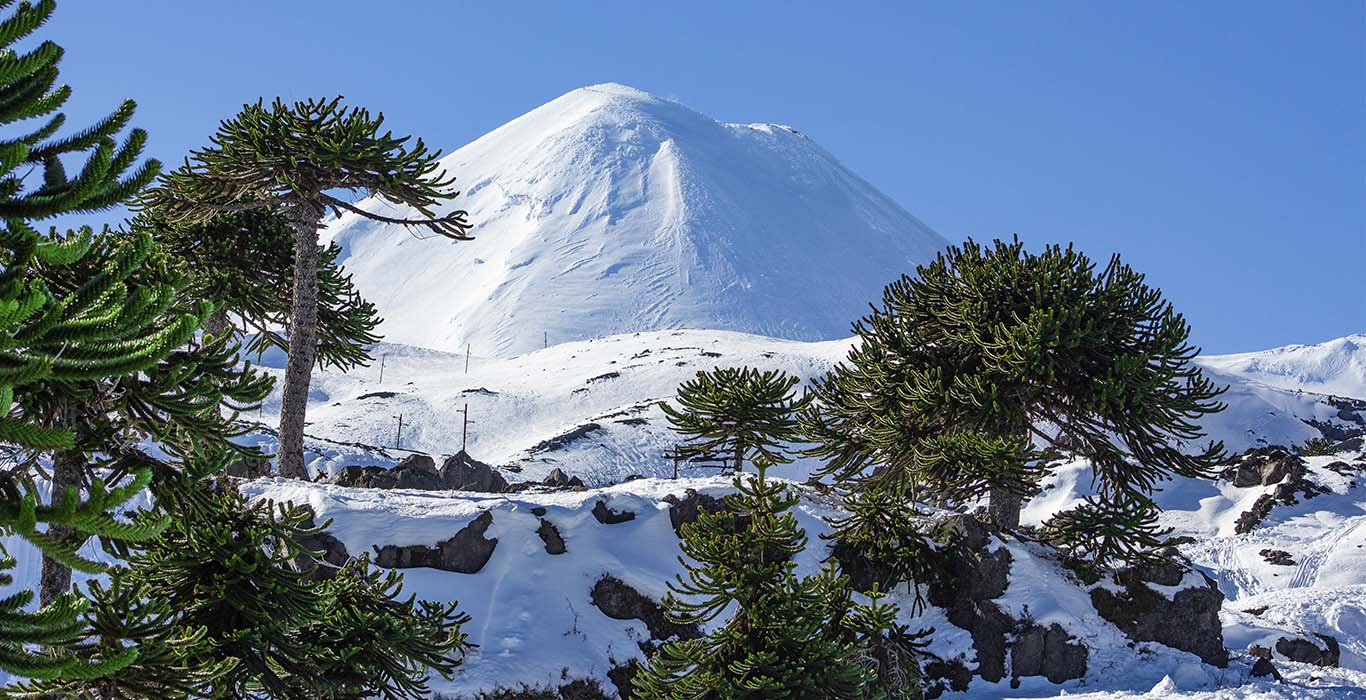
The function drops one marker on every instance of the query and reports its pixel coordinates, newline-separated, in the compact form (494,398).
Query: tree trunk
(1003,508)
(303,340)
(56,576)
(217,323)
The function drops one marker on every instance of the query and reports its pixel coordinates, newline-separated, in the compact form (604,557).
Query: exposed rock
(623,677)
(550,535)
(621,602)
(1306,652)
(461,472)
(1188,621)
(607,516)
(249,467)
(333,553)
(416,471)
(465,553)
(1287,493)
(1264,466)
(558,479)
(1263,668)
(942,676)
(1049,652)
(684,510)
(565,439)
(968,578)
(1277,557)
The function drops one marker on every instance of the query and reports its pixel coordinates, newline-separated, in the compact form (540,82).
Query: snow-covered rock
(610,210)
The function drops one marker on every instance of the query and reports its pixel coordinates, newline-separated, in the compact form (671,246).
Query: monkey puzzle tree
(240,260)
(297,158)
(979,370)
(731,415)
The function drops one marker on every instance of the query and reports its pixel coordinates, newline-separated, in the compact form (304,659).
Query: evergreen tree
(244,260)
(888,650)
(728,416)
(972,373)
(372,644)
(47,339)
(293,158)
(784,639)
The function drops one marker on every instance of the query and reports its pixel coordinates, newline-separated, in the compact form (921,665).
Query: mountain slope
(1336,367)
(609,210)
(590,407)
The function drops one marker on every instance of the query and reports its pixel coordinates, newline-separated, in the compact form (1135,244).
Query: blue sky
(1218,146)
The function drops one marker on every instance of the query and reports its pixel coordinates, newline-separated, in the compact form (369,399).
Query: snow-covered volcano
(610,210)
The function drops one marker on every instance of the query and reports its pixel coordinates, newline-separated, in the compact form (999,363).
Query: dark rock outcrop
(969,577)
(607,516)
(1263,668)
(619,601)
(333,554)
(466,552)
(942,676)
(684,510)
(461,472)
(1264,466)
(1307,652)
(248,467)
(1277,557)
(550,535)
(557,479)
(1188,621)
(1288,493)
(1048,652)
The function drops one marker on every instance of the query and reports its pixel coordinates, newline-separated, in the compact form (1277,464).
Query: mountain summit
(610,210)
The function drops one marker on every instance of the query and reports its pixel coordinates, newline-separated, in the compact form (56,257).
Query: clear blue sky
(1218,146)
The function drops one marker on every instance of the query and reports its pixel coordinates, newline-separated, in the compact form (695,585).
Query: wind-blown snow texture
(1335,367)
(610,210)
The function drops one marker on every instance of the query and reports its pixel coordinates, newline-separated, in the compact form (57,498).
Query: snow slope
(590,407)
(610,210)
(1335,367)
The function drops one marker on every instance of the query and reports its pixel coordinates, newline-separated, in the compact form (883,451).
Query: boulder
(1306,652)
(559,480)
(333,554)
(619,601)
(1277,557)
(941,676)
(607,516)
(461,472)
(1048,652)
(1264,466)
(1263,668)
(416,471)
(1188,621)
(466,552)
(968,577)
(684,510)
(550,535)
(248,467)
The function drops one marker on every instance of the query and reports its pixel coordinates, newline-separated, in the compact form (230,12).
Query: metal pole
(467,359)
(381,368)
(545,339)
(465,429)
(398,439)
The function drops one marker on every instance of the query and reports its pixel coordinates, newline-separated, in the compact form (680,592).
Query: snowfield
(533,615)
(609,210)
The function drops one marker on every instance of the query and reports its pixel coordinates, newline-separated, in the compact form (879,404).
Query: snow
(610,210)
(1336,367)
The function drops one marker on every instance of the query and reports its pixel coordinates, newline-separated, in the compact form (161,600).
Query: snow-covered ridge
(1334,367)
(610,210)
(590,407)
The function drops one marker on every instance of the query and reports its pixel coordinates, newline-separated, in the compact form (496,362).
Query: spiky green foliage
(285,154)
(784,639)
(124,618)
(45,338)
(732,415)
(369,642)
(1317,447)
(295,158)
(974,372)
(225,605)
(889,651)
(878,542)
(244,261)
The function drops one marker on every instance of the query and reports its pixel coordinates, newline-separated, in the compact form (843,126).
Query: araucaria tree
(298,158)
(241,261)
(732,415)
(992,361)
(789,636)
